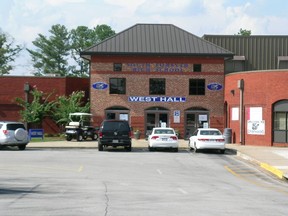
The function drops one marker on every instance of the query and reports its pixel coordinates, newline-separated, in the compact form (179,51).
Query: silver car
(13,134)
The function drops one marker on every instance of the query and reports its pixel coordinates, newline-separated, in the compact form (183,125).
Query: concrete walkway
(273,159)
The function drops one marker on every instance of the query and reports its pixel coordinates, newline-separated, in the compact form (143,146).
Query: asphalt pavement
(272,159)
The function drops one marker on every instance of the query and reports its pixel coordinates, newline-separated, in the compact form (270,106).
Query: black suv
(114,133)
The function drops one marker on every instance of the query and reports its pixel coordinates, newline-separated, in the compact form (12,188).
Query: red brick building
(153,74)
(13,86)
(264,107)
(260,116)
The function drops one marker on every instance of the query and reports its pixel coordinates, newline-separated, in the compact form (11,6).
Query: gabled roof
(156,39)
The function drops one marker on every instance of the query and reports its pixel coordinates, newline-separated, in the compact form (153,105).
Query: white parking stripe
(159,171)
(182,191)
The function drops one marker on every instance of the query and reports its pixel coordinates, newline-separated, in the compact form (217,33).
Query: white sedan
(164,138)
(207,138)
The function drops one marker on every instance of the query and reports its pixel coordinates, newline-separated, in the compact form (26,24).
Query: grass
(48,139)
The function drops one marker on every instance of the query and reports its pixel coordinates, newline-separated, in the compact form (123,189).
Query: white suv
(13,134)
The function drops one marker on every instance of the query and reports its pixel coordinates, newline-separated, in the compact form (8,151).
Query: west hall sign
(155,99)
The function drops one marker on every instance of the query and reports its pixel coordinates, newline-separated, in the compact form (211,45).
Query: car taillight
(220,140)
(100,134)
(173,137)
(130,134)
(5,132)
(154,137)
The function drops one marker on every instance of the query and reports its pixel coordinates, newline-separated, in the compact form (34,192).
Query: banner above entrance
(155,99)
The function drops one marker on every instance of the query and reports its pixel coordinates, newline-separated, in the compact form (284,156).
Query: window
(197,68)
(117,86)
(157,87)
(197,87)
(117,67)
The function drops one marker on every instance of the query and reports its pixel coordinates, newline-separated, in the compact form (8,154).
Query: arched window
(280,125)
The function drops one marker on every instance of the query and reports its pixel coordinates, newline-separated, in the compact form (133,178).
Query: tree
(69,104)
(34,112)
(8,53)
(244,32)
(103,32)
(51,55)
(81,38)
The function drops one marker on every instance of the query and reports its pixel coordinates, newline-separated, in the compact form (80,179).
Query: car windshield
(210,132)
(163,131)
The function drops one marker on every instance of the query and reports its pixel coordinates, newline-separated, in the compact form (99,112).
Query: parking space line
(159,171)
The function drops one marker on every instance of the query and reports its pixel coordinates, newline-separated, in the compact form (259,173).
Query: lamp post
(26,90)
(241,87)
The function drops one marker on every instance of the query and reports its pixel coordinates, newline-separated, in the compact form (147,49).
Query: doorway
(195,118)
(155,117)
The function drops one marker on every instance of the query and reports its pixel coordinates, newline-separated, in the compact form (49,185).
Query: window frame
(199,89)
(155,88)
(118,86)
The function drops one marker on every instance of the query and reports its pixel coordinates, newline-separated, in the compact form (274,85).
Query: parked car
(115,133)
(13,134)
(164,138)
(207,138)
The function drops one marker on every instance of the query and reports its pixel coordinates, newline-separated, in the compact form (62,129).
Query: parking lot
(84,181)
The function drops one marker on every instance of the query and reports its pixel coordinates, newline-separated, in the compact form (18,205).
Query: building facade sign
(256,127)
(158,67)
(214,86)
(156,99)
(100,85)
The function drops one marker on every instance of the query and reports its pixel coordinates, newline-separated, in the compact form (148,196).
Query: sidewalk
(273,159)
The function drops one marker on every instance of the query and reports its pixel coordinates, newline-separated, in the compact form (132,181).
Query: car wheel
(20,134)
(79,137)
(195,148)
(95,137)
(68,137)
(22,147)
(128,148)
(175,149)
(150,148)
(100,147)
(222,151)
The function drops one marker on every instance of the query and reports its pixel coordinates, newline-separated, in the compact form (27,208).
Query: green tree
(244,32)
(103,32)
(81,38)
(69,104)
(51,54)
(34,112)
(8,53)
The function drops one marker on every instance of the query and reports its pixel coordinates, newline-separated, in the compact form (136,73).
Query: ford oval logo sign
(100,85)
(214,86)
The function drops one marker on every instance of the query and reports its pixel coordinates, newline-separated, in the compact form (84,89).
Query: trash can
(227,135)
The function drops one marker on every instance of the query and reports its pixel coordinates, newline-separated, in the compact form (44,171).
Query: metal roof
(156,39)
(262,52)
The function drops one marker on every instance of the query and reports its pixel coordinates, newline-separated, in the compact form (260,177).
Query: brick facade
(261,89)
(177,84)
(13,86)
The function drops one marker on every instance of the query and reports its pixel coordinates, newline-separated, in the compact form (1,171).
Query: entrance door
(193,120)
(155,118)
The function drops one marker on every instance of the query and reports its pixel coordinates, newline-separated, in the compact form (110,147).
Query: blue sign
(100,85)
(155,99)
(36,133)
(214,86)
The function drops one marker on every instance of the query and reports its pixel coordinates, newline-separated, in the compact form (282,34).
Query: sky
(23,20)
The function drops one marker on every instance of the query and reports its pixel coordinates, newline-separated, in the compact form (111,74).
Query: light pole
(26,90)
(241,125)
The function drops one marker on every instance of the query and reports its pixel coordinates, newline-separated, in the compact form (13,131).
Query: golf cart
(80,128)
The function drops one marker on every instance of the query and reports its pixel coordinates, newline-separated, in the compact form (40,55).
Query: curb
(278,173)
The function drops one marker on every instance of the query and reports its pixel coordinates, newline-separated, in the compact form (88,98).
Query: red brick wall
(13,86)
(261,89)
(177,84)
